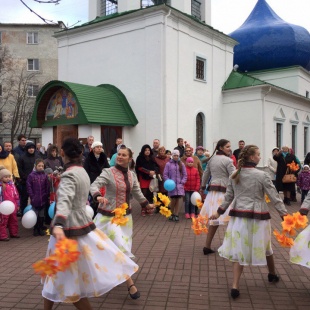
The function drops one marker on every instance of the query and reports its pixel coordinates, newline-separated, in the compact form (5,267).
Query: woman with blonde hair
(247,239)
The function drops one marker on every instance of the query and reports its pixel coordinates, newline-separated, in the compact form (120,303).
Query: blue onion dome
(266,41)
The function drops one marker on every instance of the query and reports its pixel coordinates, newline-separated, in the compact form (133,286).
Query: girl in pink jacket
(9,192)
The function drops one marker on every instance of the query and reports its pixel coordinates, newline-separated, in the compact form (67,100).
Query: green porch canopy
(80,104)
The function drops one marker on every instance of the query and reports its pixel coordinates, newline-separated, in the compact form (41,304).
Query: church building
(142,70)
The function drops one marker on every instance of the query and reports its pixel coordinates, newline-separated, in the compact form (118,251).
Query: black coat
(26,164)
(94,167)
(281,171)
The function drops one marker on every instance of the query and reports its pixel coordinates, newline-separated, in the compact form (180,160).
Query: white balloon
(89,211)
(7,207)
(195,196)
(29,219)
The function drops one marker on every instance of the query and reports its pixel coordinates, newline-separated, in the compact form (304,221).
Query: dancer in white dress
(120,183)
(300,251)
(247,239)
(219,168)
(101,265)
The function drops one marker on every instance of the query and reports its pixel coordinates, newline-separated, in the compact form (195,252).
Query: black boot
(40,226)
(35,229)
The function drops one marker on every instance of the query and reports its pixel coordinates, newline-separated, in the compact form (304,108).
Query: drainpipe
(164,95)
(263,126)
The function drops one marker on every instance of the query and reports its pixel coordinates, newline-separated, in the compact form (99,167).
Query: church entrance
(61,132)
(109,134)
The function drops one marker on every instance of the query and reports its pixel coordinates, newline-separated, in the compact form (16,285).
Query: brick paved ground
(174,273)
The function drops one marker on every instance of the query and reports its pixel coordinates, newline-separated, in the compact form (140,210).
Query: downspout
(164,95)
(263,126)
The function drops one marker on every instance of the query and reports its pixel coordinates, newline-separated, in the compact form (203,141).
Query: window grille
(200,69)
(33,90)
(279,135)
(108,7)
(196,9)
(306,130)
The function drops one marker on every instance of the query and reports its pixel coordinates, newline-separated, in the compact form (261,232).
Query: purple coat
(38,188)
(172,172)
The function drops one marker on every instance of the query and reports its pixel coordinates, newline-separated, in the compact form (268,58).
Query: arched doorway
(199,128)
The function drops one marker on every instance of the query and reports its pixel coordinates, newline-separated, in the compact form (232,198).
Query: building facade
(181,78)
(29,59)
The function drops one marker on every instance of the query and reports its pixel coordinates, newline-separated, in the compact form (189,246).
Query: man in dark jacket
(25,166)
(180,146)
(236,152)
(19,150)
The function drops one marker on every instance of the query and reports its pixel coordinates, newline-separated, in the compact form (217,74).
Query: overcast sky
(227,15)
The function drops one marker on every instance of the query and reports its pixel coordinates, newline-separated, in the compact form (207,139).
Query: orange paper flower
(199,203)
(293,166)
(289,223)
(267,199)
(301,221)
(283,239)
(66,252)
(119,217)
(289,226)
(199,224)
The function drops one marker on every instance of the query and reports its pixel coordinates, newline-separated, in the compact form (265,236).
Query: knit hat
(48,171)
(199,148)
(175,152)
(30,145)
(306,166)
(96,143)
(275,148)
(189,160)
(4,172)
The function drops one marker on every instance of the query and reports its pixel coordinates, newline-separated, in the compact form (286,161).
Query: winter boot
(35,229)
(40,226)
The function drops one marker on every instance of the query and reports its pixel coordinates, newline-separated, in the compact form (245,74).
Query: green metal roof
(240,80)
(100,19)
(103,105)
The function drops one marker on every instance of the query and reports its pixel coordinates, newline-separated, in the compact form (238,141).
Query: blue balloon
(28,208)
(169,185)
(51,209)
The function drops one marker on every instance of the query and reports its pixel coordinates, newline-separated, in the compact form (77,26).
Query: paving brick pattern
(174,273)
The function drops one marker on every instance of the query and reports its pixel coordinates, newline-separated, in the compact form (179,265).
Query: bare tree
(16,106)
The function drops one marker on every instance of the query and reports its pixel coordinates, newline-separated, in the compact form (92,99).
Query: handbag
(153,187)
(289,177)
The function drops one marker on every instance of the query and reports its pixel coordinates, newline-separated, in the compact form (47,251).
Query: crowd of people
(232,190)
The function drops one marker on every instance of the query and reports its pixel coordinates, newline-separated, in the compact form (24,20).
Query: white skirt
(300,251)
(120,235)
(213,200)
(100,267)
(247,241)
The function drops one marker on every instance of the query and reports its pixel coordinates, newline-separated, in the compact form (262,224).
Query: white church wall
(128,55)
(47,136)
(153,64)
(295,79)
(252,114)
(189,95)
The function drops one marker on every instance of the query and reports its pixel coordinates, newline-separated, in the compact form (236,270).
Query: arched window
(199,128)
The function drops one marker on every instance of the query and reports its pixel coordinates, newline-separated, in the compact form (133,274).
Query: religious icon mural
(62,105)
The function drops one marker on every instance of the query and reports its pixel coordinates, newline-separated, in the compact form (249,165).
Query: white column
(205,10)
(93,9)
(184,6)
(127,5)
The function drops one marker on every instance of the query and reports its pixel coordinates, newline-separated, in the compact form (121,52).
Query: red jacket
(193,179)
